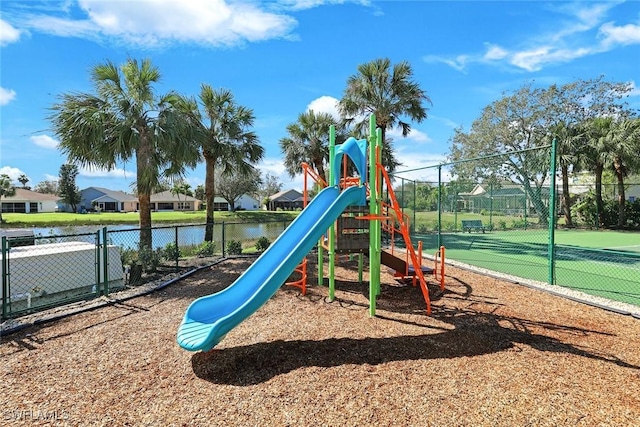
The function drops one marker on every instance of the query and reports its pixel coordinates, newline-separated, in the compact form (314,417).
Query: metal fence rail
(48,271)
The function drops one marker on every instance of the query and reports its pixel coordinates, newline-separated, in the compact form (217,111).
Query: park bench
(472,224)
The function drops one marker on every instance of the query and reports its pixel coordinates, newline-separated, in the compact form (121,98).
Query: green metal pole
(5,275)
(223,240)
(552,214)
(491,206)
(360,267)
(332,237)
(177,251)
(415,194)
(378,241)
(105,262)
(374,224)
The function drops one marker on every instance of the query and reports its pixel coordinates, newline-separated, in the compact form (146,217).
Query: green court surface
(602,263)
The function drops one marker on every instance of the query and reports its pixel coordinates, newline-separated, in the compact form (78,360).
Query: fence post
(105,262)
(5,275)
(97,262)
(177,251)
(223,240)
(552,214)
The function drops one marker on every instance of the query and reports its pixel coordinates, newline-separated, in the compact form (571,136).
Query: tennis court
(601,263)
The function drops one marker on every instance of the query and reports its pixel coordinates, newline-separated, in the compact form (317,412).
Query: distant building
(105,200)
(243,203)
(27,201)
(169,201)
(286,200)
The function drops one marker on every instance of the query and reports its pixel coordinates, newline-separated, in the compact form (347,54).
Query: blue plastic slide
(208,319)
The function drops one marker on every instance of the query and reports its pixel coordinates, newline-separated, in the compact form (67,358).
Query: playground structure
(352,235)
(345,217)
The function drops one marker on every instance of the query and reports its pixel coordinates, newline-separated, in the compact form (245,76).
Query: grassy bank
(22,220)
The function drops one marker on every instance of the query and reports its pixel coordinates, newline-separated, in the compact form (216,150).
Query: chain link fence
(505,213)
(41,272)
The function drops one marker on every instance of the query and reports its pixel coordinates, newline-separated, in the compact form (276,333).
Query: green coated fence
(41,272)
(504,213)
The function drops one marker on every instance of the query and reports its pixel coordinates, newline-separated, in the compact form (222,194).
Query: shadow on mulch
(474,334)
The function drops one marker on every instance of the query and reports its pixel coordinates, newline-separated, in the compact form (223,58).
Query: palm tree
(308,142)
(226,141)
(125,120)
(23,179)
(597,155)
(389,93)
(7,189)
(625,144)
(569,139)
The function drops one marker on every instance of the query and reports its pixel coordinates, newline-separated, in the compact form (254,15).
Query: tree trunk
(599,205)
(536,198)
(565,195)
(143,161)
(209,191)
(622,220)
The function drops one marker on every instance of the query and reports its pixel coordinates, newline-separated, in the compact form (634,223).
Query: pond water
(127,236)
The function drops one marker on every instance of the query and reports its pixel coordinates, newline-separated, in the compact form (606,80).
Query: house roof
(168,196)
(24,195)
(120,196)
(290,195)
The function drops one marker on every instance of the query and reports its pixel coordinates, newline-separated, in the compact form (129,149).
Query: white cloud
(44,141)
(415,136)
(625,34)
(8,33)
(536,59)
(494,53)
(88,172)
(6,96)
(13,173)
(579,31)
(155,23)
(325,104)
(458,63)
(425,163)
(308,4)
(49,177)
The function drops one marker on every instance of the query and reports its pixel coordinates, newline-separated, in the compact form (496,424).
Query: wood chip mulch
(492,354)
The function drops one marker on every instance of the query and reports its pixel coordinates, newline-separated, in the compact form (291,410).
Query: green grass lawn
(20,220)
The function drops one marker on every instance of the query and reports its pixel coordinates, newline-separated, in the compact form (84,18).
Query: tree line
(593,126)
(124,119)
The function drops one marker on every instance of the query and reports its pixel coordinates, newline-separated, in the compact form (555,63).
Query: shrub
(234,247)
(502,224)
(206,249)
(171,252)
(149,259)
(128,256)
(262,244)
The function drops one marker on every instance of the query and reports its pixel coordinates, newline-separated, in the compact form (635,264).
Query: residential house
(27,201)
(246,203)
(105,200)
(169,201)
(242,203)
(286,200)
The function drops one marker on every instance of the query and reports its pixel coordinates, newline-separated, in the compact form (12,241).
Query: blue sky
(282,57)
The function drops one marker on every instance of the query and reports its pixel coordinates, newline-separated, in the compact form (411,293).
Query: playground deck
(493,353)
